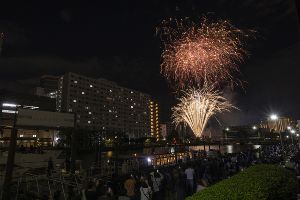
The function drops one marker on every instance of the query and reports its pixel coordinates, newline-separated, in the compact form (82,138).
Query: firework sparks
(196,107)
(208,52)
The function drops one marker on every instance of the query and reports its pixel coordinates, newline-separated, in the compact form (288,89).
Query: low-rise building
(9,100)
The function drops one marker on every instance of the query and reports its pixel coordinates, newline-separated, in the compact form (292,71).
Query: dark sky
(117,41)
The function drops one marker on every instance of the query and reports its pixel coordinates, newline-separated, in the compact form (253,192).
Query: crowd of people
(173,182)
(184,179)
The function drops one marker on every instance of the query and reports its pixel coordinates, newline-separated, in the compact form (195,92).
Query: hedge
(259,182)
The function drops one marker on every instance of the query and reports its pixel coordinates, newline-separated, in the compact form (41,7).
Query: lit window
(82,92)
(75,82)
(109,110)
(131,92)
(89,122)
(131,106)
(21,135)
(33,135)
(91,86)
(74,100)
(87,107)
(110,90)
(90,113)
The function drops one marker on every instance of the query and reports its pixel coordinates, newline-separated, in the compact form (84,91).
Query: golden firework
(196,107)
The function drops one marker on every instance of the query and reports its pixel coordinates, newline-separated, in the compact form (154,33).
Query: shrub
(259,182)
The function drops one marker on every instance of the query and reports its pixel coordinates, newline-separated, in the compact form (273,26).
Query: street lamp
(254,127)
(292,133)
(273,117)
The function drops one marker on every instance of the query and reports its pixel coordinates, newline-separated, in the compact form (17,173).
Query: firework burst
(208,52)
(196,107)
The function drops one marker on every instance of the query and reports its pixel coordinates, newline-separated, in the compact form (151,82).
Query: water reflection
(225,148)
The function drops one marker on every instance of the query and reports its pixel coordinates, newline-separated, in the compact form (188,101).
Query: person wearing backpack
(145,190)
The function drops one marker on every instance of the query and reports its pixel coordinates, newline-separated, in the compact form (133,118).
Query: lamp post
(274,117)
(292,133)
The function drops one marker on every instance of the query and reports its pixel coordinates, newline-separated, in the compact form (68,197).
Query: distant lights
(254,128)
(74,100)
(91,86)
(227,129)
(12,105)
(82,93)
(289,128)
(9,111)
(293,131)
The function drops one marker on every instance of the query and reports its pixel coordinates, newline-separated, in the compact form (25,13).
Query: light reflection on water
(226,148)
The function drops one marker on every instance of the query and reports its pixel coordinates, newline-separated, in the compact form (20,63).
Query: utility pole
(10,159)
(74,147)
(1,42)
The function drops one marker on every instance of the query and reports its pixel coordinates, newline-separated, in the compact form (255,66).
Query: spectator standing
(190,172)
(146,192)
(129,185)
(156,179)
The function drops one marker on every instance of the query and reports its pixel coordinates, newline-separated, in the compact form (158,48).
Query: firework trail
(196,107)
(204,53)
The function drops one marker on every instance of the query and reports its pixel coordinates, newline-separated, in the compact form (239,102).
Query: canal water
(162,150)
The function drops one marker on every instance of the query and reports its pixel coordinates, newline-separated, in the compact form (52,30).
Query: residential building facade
(103,105)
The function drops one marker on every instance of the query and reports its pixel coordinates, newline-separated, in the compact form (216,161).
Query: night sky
(117,41)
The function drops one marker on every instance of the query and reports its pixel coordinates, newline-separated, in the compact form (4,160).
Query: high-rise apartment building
(103,105)
(49,82)
(48,86)
(154,119)
(166,129)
